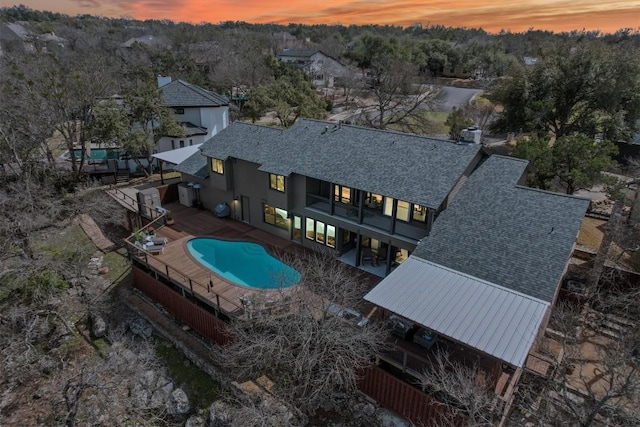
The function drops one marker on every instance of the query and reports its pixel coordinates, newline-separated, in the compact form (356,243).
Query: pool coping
(224,279)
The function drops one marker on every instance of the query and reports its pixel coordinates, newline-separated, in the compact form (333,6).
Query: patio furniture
(425,338)
(156,240)
(367,255)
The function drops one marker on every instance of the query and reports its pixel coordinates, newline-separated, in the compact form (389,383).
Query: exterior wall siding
(188,312)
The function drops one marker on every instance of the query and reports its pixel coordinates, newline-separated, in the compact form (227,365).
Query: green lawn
(435,118)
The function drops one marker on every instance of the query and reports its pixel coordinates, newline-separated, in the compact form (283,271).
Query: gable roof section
(413,168)
(298,53)
(179,93)
(517,237)
(493,319)
(194,165)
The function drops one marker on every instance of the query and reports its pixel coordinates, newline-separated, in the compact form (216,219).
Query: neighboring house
(322,69)
(146,40)
(202,112)
(472,258)
(21,35)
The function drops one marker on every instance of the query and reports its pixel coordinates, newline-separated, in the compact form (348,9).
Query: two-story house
(366,194)
(321,68)
(472,260)
(203,113)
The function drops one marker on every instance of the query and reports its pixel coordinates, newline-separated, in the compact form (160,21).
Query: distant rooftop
(179,93)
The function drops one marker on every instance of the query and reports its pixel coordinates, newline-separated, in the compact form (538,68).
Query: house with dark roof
(471,259)
(203,113)
(365,194)
(321,68)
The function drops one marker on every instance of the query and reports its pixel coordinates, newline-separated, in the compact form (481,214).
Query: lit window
(297,227)
(402,211)
(320,232)
(419,213)
(310,229)
(373,201)
(342,194)
(331,236)
(276,182)
(276,216)
(217,166)
(388,206)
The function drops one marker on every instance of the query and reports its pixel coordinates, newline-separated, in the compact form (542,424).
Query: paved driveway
(456,97)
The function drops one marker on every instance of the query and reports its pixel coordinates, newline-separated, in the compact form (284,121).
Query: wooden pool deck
(175,262)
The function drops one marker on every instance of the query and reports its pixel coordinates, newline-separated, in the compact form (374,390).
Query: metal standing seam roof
(491,318)
(408,167)
(518,237)
(179,93)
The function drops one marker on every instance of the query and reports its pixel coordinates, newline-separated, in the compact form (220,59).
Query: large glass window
(276,216)
(388,206)
(297,228)
(310,229)
(217,166)
(403,209)
(322,233)
(276,182)
(320,236)
(373,201)
(342,194)
(419,213)
(331,236)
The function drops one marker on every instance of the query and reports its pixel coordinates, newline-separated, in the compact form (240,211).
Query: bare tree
(309,352)
(400,99)
(461,388)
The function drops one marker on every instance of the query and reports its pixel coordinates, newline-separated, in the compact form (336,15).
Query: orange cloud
(492,15)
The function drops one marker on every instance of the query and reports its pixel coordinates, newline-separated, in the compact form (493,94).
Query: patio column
(358,248)
(360,206)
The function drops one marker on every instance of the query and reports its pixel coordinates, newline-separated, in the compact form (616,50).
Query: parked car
(348,314)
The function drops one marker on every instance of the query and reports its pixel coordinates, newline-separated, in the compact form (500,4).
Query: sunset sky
(492,15)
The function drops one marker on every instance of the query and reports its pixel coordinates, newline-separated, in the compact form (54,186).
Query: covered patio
(474,321)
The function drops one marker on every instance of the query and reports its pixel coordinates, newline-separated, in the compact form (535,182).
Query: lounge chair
(156,240)
(149,247)
(154,249)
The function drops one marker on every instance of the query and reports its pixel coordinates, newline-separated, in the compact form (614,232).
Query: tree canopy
(587,88)
(576,161)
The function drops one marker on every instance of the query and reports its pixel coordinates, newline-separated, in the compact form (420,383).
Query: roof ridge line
(486,282)
(552,193)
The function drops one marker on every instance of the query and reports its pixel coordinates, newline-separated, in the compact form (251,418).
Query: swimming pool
(244,263)
(95,154)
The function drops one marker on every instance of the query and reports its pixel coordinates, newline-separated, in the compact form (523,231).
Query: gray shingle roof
(195,165)
(413,168)
(514,236)
(297,53)
(179,93)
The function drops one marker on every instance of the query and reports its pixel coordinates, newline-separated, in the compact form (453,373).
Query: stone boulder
(140,327)
(195,421)
(178,404)
(98,325)
(219,414)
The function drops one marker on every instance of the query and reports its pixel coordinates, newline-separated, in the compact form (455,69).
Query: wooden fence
(405,399)
(205,323)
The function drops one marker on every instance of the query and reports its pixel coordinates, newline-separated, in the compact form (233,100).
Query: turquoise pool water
(97,154)
(244,263)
